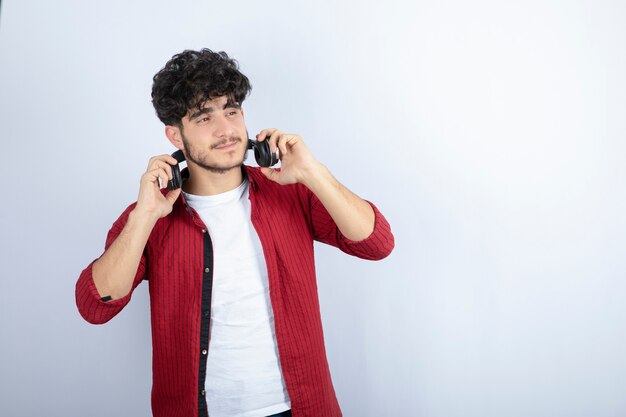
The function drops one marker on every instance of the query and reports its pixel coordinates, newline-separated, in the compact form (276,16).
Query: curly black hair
(191,78)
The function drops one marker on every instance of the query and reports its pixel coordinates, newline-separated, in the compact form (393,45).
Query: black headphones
(262,153)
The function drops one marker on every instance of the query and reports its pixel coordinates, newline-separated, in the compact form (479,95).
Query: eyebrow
(211,109)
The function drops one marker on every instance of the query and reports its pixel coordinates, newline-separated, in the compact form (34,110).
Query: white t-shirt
(244,377)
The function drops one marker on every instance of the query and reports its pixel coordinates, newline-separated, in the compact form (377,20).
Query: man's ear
(174,136)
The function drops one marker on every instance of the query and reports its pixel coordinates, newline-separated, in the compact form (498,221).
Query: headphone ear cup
(176,181)
(263,155)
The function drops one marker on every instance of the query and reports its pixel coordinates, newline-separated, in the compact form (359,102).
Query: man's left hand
(298,165)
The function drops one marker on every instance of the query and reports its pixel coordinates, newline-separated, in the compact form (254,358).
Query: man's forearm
(353,215)
(114,272)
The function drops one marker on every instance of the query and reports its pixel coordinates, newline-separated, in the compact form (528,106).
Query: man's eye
(204,119)
(232,113)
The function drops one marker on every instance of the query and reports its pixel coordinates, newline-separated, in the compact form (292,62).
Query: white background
(490,134)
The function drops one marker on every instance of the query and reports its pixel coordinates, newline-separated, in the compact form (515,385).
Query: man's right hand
(151,202)
(115,271)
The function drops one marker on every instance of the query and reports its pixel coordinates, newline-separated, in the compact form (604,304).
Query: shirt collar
(245,170)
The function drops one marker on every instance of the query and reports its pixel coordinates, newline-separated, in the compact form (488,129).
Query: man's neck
(203,182)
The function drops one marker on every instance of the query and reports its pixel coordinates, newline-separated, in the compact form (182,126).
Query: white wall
(490,133)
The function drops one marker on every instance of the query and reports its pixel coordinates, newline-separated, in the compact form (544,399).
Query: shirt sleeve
(376,246)
(90,305)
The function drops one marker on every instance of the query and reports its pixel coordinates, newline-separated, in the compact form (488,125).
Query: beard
(201,157)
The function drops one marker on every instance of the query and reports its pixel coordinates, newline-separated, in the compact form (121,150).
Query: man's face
(215,137)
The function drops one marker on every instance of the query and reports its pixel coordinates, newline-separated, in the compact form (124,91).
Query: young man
(236,327)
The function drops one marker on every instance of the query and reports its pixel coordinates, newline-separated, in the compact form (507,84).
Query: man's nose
(223,127)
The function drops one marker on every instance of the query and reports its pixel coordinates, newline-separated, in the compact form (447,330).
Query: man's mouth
(227,145)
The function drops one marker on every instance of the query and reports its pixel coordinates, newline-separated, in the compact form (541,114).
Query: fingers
(157,176)
(278,139)
(265,133)
(286,141)
(165,158)
(164,164)
(162,161)
(270,135)
(152,199)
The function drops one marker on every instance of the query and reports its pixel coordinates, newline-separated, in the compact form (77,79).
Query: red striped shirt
(177,262)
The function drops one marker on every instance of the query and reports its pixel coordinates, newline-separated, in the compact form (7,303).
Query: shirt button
(206,269)
(204,351)
(203,230)
(207,313)
(202,393)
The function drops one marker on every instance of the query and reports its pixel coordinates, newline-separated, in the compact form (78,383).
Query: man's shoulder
(291,199)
